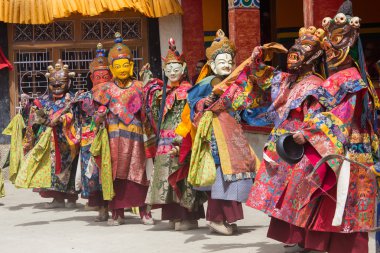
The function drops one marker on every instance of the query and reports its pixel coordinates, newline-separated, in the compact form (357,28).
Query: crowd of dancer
(172,145)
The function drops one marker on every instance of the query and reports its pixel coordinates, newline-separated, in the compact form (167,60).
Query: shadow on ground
(260,247)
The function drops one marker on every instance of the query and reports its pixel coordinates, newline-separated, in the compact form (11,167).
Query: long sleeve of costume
(150,115)
(254,88)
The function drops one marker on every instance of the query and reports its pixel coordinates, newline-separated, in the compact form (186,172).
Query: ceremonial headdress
(173,55)
(59,71)
(343,17)
(100,61)
(119,50)
(220,45)
(311,35)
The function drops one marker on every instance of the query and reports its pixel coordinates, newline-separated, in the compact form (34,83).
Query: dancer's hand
(257,54)
(208,101)
(299,138)
(174,151)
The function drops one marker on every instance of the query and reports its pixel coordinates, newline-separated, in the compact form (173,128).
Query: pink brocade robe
(125,129)
(339,127)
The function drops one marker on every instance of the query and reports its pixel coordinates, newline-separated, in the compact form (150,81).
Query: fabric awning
(45,11)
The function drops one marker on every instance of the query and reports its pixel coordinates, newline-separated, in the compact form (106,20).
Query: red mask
(100,76)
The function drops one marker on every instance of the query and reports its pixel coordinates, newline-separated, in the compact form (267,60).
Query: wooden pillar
(192,27)
(315,10)
(244,27)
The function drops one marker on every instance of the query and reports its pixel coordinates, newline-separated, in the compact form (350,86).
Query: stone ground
(26,227)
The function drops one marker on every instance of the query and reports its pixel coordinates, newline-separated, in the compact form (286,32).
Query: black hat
(288,149)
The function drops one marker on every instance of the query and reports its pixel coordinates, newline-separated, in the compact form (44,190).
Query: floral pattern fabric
(334,120)
(90,172)
(160,190)
(122,102)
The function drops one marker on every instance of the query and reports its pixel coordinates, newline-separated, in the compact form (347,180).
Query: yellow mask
(122,69)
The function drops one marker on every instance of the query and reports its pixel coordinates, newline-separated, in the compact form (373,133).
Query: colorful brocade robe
(335,117)
(90,171)
(64,143)
(165,165)
(125,129)
(229,146)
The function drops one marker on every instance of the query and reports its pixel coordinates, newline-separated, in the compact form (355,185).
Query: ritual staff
(164,105)
(90,184)
(232,165)
(123,98)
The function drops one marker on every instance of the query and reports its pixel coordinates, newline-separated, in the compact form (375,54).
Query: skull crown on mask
(59,79)
(306,50)
(342,34)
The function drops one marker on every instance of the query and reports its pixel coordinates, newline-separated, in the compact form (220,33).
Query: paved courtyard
(26,227)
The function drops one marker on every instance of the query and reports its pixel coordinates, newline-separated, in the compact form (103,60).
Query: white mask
(174,71)
(222,65)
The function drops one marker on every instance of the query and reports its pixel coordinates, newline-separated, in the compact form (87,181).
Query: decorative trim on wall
(244,4)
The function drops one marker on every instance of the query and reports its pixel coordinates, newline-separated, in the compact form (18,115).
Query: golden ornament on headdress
(220,45)
(173,55)
(100,62)
(119,50)
(59,69)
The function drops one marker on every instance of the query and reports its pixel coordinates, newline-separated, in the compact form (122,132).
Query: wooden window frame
(57,46)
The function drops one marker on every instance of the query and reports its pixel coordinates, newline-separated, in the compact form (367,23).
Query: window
(34,47)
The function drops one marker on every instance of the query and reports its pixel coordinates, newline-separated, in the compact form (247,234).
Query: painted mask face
(305,51)
(342,34)
(122,69)
(174,71)
(100,76)
(24,101)
(59,84)
(222,65)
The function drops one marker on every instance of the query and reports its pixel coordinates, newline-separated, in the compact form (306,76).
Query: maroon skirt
(96,199)
(128,194)
(219,210)
(330,242)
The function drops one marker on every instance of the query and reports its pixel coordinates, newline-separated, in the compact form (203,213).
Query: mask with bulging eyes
(222,64)
(100,76)
(174,71)
(342,34)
